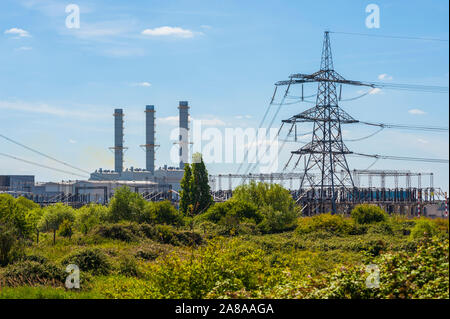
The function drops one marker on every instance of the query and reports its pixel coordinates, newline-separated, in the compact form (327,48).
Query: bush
(368,214)
(65,229)
(89,216)
(420,274)
(242,211)
(10,246)
(334,224)
(125,205)
(29,272)
(89,259)
(125,231)
(277,221)
(128,267)
(265,194)
(55,215)
(274,202)
(166,234)
(161,213)
(424,228)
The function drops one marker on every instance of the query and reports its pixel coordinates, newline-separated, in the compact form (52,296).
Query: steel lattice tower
(326,152)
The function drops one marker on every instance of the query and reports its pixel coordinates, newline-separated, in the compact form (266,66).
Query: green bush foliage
(161,213)
(125,205)
(55,215)
(89,216)
(368,214)
(124,231)
(424,228)
(10,247)
(65,229)
(422,274)
(334,224)
(29,272)
(92,260)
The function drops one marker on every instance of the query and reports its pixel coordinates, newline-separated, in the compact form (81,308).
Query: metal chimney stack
(118,140)
(184,135)
(150,138)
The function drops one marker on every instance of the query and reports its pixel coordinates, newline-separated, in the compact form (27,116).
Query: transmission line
(42,154)
(407,127)
(404,158)
(391,36)
(40,165)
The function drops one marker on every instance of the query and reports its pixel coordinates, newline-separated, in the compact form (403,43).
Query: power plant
(326,183)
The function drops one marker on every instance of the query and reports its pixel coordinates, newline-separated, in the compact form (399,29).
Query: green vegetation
(195,191)
(255,245)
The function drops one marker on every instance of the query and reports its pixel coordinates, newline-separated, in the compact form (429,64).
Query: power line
(40,165)
(391,36)
(42,154)
(407,127)
(404,158)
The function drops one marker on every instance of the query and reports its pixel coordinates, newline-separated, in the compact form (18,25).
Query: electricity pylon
(326,152)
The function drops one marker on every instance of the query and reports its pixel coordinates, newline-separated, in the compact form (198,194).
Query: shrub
(29,272)
(10,246)
(89,216)
(239,209)
(274,202)
(65,229)
(89,259)
(381,228)
(265,194)
(161,213)
(442,224)
(424,228)
(128,267)
(54,216)
(277,221)
(335,224)
(125,205)
(124,231)
(420,274)
(368,214)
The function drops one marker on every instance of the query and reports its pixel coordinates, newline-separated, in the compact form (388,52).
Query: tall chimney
(184,135)
(118,140)
(150,138)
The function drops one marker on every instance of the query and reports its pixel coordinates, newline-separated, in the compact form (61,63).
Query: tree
(126,205)
(201,197)
(195,190)
(185,193)
(54,216)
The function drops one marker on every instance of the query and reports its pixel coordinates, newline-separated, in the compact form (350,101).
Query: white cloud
(416,112)
(21,33)
(43,108)
(143,84)
(385,77)
(72,141)
(375,91)
(168,31)
(240,117)
(205,26)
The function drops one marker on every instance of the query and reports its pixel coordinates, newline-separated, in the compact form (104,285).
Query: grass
(282,265)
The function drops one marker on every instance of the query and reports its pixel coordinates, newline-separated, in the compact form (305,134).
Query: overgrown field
(248,247)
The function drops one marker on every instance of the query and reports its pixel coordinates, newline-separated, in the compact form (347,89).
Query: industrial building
(153,184)
(164,175)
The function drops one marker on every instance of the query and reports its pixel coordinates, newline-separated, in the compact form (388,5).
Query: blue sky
(59,86)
